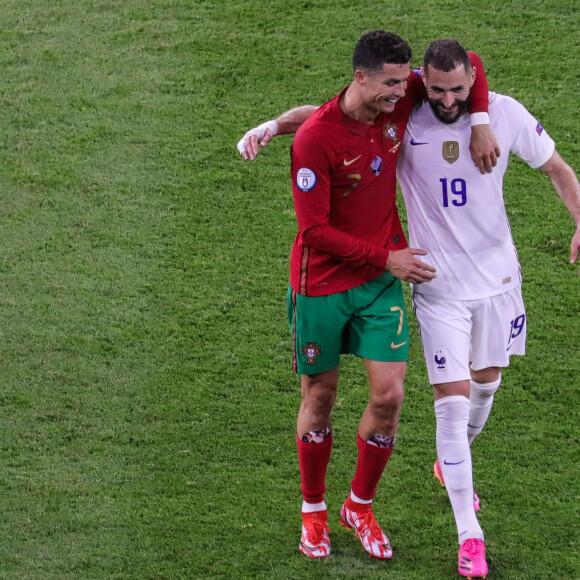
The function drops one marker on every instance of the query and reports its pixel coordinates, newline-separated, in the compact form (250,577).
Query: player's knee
(388,401)
(325,400)
(319,399)
(483,376)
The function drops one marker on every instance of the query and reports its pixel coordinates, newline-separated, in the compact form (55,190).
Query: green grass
(147,404)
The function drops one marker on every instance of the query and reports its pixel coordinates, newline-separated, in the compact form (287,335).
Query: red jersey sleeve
(479,90)
(416,88)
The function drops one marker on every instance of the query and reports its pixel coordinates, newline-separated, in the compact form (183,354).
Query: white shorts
(459,334)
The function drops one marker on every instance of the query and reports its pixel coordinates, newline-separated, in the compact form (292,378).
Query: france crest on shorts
(440,361)
(305,179)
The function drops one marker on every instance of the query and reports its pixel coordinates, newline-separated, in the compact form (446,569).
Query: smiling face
(448,92)
(379,91)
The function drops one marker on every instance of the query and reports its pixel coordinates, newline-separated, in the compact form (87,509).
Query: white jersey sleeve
(456,213)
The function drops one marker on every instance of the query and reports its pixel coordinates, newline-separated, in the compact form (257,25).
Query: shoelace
(369,525)
(472,547)
(315,531)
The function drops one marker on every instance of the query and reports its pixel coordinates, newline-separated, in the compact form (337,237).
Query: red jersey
(344,186)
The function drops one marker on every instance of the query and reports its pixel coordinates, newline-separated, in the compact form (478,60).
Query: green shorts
(369,321)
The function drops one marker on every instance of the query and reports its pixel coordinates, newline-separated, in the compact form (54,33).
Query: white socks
(308,508)
(454,455)
(357,499)
(481,399)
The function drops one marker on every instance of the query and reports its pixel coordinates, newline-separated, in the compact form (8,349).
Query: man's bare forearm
(565,183)
(290,121)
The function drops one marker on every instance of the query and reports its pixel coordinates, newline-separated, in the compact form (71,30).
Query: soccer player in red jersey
(347,263)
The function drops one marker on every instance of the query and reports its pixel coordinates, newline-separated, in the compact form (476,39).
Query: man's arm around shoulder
(287,123)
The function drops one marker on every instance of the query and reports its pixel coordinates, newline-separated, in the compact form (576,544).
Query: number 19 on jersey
(457,188)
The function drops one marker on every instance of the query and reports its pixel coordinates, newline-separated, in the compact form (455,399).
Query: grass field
(147,405)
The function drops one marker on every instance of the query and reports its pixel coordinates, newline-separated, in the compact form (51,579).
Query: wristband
(479,119)
(271,125)
(260,131)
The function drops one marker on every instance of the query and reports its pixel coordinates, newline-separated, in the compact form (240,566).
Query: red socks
(370,465)
(313,459)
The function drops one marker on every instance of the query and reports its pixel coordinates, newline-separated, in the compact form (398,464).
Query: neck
(352,104)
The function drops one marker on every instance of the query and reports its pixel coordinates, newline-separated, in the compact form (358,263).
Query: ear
(360,77)
(473,75)
(423,76)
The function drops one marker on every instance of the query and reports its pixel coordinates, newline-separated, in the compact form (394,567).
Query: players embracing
(471,314)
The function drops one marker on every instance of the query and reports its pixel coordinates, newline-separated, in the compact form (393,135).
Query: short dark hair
(446,55)
(378,47)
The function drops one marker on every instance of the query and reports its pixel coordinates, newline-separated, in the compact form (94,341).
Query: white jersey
(456,213)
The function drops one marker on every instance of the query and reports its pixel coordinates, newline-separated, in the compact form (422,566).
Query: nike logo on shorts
(393,345)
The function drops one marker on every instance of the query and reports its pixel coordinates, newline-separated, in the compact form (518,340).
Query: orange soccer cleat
(361,519)
(315,540)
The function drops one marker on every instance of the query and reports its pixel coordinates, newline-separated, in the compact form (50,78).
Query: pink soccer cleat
(439,475)
(471,559)
(361,519)
(315,540)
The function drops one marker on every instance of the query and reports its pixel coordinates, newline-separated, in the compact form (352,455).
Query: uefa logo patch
(305,179)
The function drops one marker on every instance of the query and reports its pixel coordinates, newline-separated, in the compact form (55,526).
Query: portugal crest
(451,151)
(310,351)
(391,132)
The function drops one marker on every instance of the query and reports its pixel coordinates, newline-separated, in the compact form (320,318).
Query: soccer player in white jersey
(471,315)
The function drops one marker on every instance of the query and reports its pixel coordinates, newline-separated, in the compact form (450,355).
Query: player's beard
(448,119)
